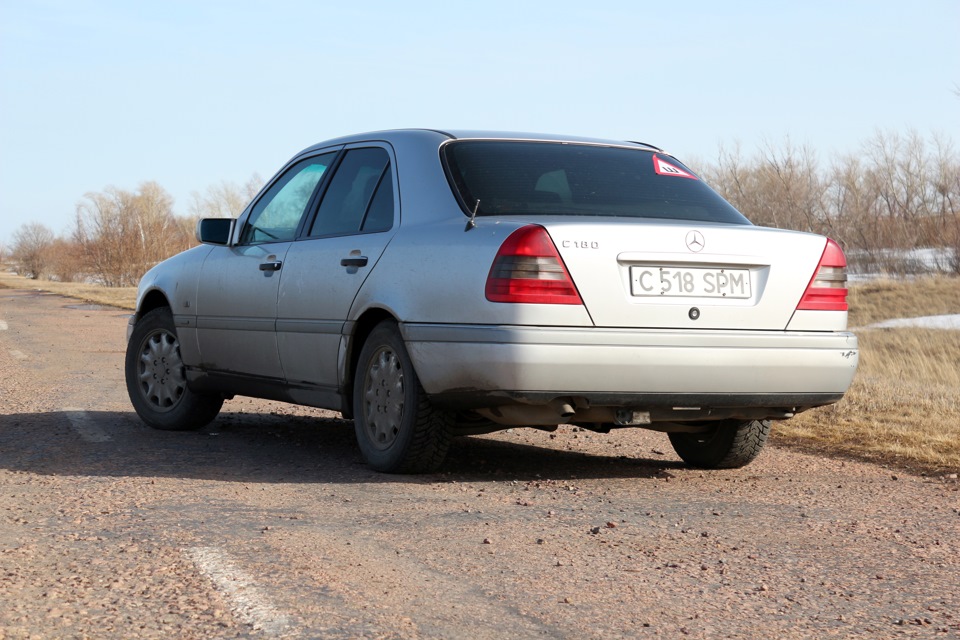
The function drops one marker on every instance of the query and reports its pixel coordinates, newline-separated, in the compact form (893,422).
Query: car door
(237,293)
(324,270)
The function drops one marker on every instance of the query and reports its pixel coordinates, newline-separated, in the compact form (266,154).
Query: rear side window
(523,178)
(360,195)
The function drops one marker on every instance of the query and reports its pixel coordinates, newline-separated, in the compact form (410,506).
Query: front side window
(277,214)
(549,178)
(360,195)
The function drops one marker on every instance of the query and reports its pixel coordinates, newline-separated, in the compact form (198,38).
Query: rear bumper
(478,366)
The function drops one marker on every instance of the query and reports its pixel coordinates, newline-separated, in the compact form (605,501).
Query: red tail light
(529,269)
(827,290)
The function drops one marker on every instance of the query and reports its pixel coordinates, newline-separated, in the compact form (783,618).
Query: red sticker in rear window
(664,168)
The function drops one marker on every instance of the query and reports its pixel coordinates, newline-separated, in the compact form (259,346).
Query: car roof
(439,136)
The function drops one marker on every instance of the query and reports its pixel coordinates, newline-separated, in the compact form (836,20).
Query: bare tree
(898,193)
(224,200)
(31,242)
(790,176)
(65,261)
(780,188)
(947,197)
(847,200)
(123,233)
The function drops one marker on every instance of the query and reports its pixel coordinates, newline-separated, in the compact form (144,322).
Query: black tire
(732,444)
(398,429)
(156,377)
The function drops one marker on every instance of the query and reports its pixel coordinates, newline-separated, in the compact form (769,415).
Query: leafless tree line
(896,195)
(118,234)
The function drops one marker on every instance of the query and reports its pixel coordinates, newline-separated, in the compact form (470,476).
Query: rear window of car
(550,178)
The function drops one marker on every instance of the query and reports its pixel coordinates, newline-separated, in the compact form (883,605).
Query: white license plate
(683,282)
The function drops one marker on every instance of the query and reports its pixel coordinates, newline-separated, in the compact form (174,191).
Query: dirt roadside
(267,524)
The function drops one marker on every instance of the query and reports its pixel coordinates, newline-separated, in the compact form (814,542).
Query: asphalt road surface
(268,524)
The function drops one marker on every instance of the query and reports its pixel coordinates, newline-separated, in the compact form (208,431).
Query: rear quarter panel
(436,272)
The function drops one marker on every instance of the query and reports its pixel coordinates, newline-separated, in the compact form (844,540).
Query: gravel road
(267,524)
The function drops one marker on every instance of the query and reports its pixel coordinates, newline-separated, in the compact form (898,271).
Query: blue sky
(192,93)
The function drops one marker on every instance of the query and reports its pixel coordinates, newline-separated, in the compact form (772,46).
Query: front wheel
(398,429)
(156,377)
(729,445)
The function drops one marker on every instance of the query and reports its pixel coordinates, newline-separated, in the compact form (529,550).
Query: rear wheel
(156,377)
(398,429)
(731,444)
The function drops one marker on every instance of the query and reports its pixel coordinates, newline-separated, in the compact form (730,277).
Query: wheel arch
(153,299)
(362,327)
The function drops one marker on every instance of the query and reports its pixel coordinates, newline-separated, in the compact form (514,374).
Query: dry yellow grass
(903,407)
(122,297)
(887,299)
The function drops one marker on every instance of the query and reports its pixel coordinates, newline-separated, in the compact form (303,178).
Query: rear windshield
(550,178)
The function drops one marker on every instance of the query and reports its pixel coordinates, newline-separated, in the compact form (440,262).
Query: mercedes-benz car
(430,284)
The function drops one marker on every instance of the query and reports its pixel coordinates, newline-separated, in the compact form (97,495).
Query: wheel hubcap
(383,398)
(162,376)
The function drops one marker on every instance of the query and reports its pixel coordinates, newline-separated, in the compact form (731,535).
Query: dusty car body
(437,283)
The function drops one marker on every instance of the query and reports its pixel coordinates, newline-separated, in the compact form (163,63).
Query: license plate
(683,282)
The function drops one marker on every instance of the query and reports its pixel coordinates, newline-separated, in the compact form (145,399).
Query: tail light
(827,290)
(528,269)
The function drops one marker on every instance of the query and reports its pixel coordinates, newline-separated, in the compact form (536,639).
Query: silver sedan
(430,284)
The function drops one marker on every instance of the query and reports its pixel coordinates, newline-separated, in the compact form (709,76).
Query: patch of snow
(923,322)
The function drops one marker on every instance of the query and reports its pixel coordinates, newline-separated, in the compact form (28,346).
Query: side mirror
(215,230)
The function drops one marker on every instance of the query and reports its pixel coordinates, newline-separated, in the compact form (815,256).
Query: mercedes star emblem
(695,241)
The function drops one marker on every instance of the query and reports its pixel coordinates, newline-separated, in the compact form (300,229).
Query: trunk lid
(686,275)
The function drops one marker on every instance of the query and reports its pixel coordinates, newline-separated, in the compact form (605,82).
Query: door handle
(354,261)
(271,266)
